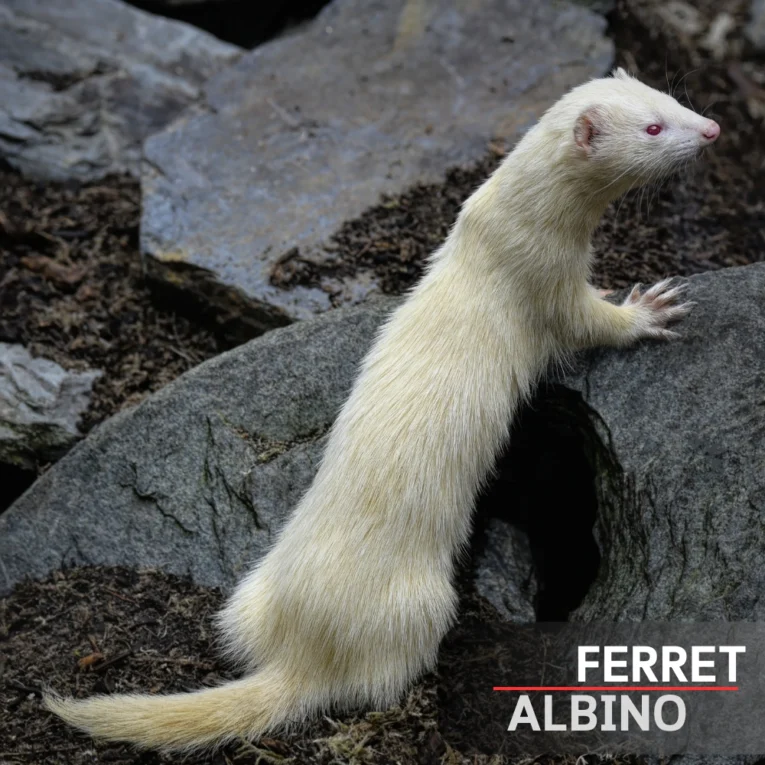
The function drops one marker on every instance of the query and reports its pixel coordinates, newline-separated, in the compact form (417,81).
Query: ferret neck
(544,188)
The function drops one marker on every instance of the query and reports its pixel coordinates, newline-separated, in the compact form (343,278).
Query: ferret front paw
(655,308)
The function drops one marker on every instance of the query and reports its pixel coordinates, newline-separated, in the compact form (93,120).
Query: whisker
(688,98)
(683,80)
(621,201)
(708,106)
(657,189)
(651,192)
(672,86)
(615,180)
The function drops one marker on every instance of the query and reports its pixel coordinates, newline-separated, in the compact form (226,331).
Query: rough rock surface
(505,572)
(198,477)
(307,131)
(84,82)
(681,463)
(40,406)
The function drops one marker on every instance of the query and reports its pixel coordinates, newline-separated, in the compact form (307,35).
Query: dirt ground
(72,289)
(104,630)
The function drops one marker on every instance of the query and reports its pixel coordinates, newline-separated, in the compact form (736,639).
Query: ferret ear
(621,74)
(587,129)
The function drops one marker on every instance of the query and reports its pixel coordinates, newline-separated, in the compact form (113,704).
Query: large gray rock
(84,82)
(198,478)
(40,407)
(308,131)
(680,453)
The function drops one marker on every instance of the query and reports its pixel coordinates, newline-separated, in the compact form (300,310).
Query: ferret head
(624,133)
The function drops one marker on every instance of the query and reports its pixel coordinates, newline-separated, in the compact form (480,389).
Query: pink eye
(653,129)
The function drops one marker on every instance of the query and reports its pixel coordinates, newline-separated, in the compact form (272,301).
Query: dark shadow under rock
(240,22)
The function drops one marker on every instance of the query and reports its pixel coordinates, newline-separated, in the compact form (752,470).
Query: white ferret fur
(350,604)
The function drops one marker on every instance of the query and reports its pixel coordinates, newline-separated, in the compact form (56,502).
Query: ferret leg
(641,315)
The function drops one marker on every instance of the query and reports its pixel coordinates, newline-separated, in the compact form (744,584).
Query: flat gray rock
(40,406)
(306,132)
(84,82)
(198,478)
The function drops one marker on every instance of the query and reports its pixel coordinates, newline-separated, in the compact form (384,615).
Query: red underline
(527,688)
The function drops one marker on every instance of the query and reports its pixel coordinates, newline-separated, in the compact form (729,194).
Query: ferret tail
(245,708)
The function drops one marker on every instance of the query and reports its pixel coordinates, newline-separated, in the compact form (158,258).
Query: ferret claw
(656,308)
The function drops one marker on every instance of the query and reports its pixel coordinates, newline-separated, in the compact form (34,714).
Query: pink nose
(711,131)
